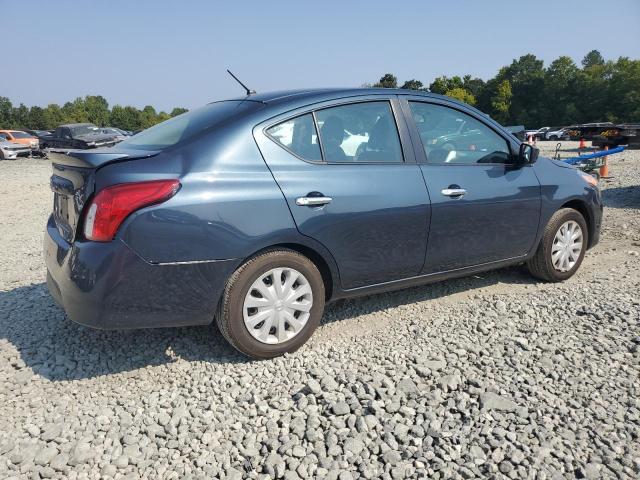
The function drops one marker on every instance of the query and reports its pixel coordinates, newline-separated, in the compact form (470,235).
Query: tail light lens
(113,204)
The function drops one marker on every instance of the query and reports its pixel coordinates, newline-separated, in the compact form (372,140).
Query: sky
(174,53)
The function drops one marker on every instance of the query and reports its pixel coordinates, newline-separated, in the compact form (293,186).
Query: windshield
(20,135)
(84,129)
(183,127)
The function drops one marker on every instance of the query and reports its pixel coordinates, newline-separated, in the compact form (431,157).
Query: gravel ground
(490,376)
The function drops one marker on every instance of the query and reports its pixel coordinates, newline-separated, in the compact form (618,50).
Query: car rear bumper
(108,286)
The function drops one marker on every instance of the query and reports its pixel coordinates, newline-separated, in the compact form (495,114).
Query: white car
(11,150)
(557,133)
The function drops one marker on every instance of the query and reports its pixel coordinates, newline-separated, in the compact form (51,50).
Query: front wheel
(272,304)
(561,248)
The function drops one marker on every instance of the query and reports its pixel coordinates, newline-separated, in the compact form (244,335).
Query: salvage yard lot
(495,374)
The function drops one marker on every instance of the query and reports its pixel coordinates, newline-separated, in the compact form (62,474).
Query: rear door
(349,176)
(484,208)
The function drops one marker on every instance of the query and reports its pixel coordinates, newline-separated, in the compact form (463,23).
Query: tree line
(522,93)
(90,109)
(527,93)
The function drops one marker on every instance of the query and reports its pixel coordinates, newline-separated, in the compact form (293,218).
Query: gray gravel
(490,376)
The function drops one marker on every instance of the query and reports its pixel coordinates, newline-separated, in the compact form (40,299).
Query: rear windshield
(187,125)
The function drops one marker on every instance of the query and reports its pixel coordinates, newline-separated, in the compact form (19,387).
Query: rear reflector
(113,204)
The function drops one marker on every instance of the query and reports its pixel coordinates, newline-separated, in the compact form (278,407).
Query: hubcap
(567,245)
(277,305)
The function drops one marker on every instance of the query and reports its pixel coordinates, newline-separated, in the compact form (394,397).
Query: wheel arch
(327,269)
(581,207)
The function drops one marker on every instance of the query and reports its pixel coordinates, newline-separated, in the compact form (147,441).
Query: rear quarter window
(184,127)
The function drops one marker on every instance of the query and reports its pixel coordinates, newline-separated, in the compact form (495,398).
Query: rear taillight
(112,205)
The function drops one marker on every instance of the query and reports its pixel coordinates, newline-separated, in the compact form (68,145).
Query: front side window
(298,135)
(360,132)
(452,137)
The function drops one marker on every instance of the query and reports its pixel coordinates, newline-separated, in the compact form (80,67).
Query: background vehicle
(621,134)
(541,133)
(588,131)
(557,133)
(12,150)
(78,135)
(117,133)
(39,134)
(23,138)
(257,211)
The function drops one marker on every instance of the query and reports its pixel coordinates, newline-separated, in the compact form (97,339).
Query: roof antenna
(249,91)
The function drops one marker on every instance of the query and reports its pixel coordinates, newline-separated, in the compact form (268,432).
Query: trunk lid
(73,182)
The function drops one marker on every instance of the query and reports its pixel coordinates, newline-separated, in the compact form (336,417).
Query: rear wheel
(561,248)
(272,304)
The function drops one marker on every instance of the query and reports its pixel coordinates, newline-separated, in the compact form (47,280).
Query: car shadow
(55,348)
(621,197)
(349,308)
(58,349)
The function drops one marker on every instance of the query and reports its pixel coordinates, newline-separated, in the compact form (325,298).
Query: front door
(484,209)
(351,186)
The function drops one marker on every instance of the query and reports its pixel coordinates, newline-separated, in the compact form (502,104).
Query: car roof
(319,94)
(77,125)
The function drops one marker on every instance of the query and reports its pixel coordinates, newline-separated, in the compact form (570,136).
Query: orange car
(16,136)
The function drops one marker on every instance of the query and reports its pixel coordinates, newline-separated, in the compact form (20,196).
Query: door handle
(453,192)
(313,201)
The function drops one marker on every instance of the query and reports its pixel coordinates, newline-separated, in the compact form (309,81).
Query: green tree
(75,112)
(162,116)
(623,91)
(97,110)
(20,117)
(526,76)
(387,81)
(52,116)
(178,111)
(593,58)
(148,117)
(413,85)
(501,102)
(475,86)
(444,84)
(6,113)
(461,94)
(127,118)
(37,120)
(559,99)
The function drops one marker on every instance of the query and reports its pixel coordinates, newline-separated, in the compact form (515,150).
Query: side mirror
(528,154)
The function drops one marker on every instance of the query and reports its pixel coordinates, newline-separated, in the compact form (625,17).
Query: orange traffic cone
(582,144)
(604,169)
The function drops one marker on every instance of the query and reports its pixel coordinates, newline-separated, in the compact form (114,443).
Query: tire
(541,265)
(553,137)
(231,313)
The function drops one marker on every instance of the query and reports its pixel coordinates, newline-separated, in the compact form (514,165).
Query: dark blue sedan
(257,211)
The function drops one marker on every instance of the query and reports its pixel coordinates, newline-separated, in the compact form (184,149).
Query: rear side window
(452,137)
(185,126)
(298,135)
(359,132)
